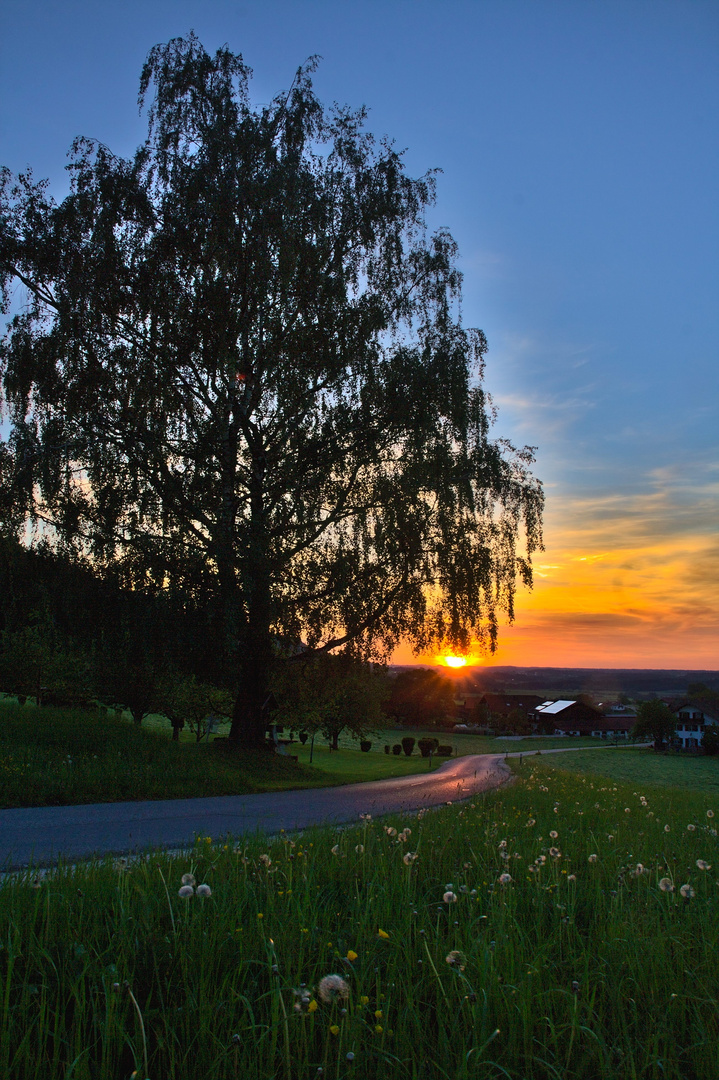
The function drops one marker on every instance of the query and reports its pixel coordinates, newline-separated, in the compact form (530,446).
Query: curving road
(40,835)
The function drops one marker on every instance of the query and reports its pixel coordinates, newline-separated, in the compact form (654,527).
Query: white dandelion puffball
(333,988)
(335,850)
(185,890)
(449,898)
(188,879)
(687,892)
(409,858)
(702,865)
(554,834)
(360,849)
(592,858)
(665,884)
(691,828)
(504,879)
(204,890)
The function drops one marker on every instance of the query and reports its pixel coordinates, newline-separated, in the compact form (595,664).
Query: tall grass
(575,968)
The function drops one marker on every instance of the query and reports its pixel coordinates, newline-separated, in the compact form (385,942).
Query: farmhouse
(578,718)
(692,719)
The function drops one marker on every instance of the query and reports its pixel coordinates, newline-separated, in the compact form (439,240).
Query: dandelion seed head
(449,898)
(592,858)
(703,865)
(687,892)
(504,879)
(691,828)
(456,959)
(187,879)
(665,884)
(185,891)
(204,890)
(360,849)
(333,988)
(554,834)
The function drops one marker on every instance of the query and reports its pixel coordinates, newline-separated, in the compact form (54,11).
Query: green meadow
(564,928)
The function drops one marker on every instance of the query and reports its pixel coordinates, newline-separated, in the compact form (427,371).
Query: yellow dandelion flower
(351,954)
(383,934)
(334,1028)
(378,1014)
(364,1000)
(312,1007)
(379,1029)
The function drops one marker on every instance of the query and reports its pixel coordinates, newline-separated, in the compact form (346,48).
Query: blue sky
(580,157)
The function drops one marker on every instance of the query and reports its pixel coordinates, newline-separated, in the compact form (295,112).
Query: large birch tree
(239,368)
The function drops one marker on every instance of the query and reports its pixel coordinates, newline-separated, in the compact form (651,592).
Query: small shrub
(365,746)
(303,737)
(427,746)
(444,751)
(387,749)
(408,745)
(397,748)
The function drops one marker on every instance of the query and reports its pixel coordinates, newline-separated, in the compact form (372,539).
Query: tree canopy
(239,370)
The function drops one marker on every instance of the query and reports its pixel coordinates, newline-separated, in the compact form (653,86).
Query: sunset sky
(580,155)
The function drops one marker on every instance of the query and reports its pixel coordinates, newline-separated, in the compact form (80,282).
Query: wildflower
(572,877)
(204,890)
(554,834)
(335,850)
(502,844)
(390,831)
(265,860)
(360,849)
(504,879)
(666,828)
(378,1014)
(592,858)
(456,959)
(334,1029)
(610,837)
(555,853)
(188,879)
(691,828)
(333,988)
(449,898)
(665,884)
(366,818)
(531,822)
(710,813)
(702,865)
(383,934)
(185,890)
(379,1029)
(540,860)
(406,832)
(351,955)
(687,892)
(260,915)
(364,1000)
(313,1006)
(409,858)
(403,836)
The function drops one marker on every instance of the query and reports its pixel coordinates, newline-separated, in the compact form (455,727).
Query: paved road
(39,835)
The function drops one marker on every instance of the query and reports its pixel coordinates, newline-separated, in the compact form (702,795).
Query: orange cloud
(625,581)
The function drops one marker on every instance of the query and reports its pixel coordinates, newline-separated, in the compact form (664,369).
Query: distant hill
(554,682)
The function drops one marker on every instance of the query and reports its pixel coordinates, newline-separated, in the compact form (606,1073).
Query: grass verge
(594,960)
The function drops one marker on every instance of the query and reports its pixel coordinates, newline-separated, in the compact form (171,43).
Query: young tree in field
(656,720)
(331,694)
(240,370)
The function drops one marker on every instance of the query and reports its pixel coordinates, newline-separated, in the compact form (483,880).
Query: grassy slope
(56,757)
(575,970)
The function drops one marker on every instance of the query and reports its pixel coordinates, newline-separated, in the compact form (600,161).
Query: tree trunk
(249,719)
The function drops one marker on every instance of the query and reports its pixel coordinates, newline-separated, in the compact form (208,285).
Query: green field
(589,963)
(61,756)
(645,767)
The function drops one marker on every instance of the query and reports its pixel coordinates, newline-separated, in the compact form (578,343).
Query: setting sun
(455,661)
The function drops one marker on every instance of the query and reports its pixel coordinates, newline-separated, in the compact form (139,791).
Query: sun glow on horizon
(455,661)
